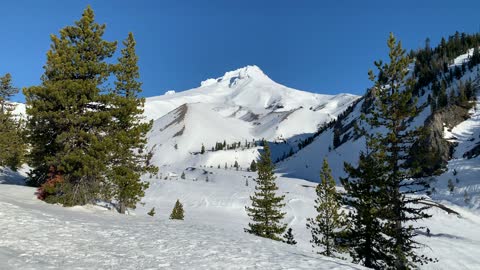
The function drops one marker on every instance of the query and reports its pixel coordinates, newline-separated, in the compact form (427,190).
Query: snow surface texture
(220,202)
(40,236)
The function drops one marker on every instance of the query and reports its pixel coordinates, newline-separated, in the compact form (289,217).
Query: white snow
(36,235)
(244,104)
(462,59)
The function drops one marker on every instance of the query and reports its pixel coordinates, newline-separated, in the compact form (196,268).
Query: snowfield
(36,235)
(242,106)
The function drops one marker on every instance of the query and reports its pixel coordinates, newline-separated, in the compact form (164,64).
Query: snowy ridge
(247,87)
(242,105)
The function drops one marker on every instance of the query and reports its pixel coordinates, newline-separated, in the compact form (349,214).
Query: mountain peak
(231,78)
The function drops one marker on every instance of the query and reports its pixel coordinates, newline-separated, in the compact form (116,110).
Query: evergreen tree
(266,210)
(363,195)
(288,237)
(329,220)
(12,140)
(151,212)
(183,175)
(336,138)
(395,109)
(69,113)
(177,212)
(450,185)
(443,98)
(202,150)
(128,131)
(236,165)
(6,91)
(253,166)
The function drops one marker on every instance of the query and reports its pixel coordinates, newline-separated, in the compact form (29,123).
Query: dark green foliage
(431,63)
(266,210)
(236,165)
(67,112)
(288,237)
(177,212)
(128,132)
(183,175)
(364,195)
(202,150)
(91,134)
(151,212)
(336,138)
(253,166)
(329,220)
(395,109)
(12,140)
(6,91)
(450,185)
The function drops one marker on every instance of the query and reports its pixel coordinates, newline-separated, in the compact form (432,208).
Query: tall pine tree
(394,111)
(12,141)
(69,113)
(128,132)
(329,220)
(266,210)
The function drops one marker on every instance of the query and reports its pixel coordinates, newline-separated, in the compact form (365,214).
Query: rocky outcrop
(433,151)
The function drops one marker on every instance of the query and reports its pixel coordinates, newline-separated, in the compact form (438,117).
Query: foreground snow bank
(36,235)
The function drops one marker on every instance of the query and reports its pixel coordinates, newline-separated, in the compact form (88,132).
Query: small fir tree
(266,211)
(253,166)
(451,186)
(151,212)
(288,237)
(329,220)
(177,212)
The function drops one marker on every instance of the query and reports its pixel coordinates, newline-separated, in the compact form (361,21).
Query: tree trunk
(121,207)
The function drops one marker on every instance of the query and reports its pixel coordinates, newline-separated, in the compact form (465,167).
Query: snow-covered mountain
(243,105)
(456,127)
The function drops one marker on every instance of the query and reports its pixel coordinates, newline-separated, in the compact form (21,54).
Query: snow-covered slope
(305,163)
(36,235)
(217,197)
(249,88)
(243,105)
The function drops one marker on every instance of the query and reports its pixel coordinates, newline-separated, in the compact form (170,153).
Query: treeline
(433,68)
(335,123)
(86,137)
(219,146)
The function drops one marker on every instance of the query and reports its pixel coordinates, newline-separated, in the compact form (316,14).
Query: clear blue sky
(319,46)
